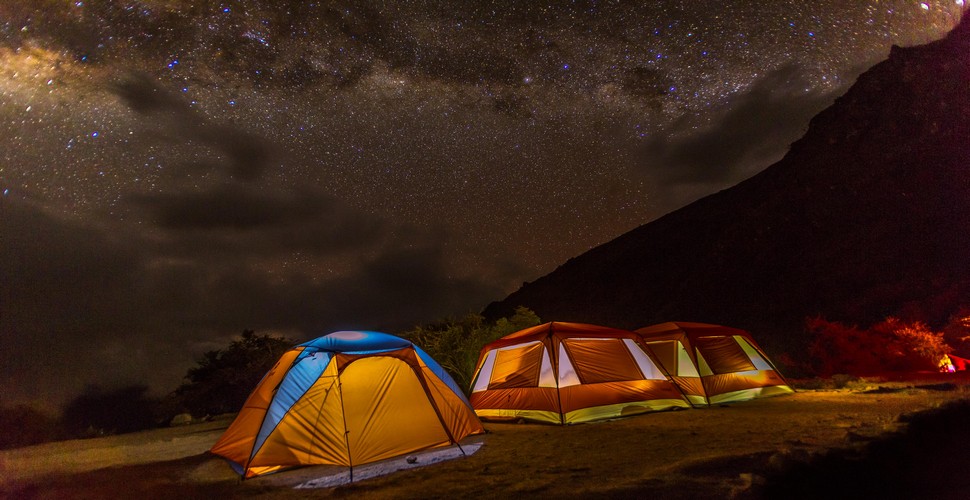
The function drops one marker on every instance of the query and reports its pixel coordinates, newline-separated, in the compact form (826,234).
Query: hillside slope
(867,215)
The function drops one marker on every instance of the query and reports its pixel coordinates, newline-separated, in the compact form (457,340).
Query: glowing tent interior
(347,398)
(566,373)
(713,364)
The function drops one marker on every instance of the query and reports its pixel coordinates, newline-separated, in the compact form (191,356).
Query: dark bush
(24,426)
(99,412)
(224,378)
(455,344)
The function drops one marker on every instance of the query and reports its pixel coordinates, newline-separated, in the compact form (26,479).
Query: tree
(888,346)
(99,412)
(455,344)
(957,331)
(224,378)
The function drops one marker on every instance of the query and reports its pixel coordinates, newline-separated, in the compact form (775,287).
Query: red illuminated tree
(891,345)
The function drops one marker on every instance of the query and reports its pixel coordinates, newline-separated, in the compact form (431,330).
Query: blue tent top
(356,342)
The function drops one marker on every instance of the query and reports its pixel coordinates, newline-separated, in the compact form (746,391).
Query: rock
(181,419)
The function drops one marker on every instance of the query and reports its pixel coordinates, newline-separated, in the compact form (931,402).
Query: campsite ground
(894,437)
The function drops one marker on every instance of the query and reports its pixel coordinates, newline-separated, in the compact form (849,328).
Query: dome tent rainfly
(347,398)
(713,364)
(567,373)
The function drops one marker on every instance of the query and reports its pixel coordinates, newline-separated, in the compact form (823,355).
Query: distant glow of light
(960,3)
(924,6)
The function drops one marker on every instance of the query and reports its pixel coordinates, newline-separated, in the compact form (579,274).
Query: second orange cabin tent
(713,364)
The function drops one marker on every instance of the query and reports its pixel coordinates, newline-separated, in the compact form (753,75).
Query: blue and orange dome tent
(347,398)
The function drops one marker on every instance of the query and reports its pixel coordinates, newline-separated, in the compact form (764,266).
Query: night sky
(173,172)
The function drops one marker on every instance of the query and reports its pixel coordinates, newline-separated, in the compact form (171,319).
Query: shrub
(99,412)
(956,332)
(891,345)
(224,378)
(25,426)
(455,344)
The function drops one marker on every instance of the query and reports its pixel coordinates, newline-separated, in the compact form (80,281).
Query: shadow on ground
(929,460)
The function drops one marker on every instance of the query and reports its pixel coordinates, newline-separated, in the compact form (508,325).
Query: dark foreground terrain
(875,439)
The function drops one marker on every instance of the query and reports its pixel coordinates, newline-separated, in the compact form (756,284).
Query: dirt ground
(898,439)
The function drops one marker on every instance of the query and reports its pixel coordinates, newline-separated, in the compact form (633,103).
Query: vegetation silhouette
(224,378)
(99,411)
(456,343)
(32,426)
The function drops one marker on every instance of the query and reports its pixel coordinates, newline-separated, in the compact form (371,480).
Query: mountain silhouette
(867,216)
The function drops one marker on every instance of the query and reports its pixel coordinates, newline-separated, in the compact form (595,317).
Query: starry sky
(175,171)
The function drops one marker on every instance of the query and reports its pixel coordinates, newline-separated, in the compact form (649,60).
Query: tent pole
(555,356)
(316,424)
(343,415)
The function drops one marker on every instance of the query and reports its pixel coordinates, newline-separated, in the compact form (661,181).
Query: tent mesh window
(602,360)
(723,355)
(517,367)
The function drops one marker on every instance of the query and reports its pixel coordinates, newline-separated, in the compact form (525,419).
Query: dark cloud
(647,83)
(739,139)
(107,303)
(418,277)
(236,218)
(67,286)
(144,96)
(246,155)
(231,206)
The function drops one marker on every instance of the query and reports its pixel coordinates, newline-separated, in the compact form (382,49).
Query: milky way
(176,171)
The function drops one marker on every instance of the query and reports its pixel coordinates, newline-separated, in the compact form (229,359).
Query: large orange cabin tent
(566,373)
(713,364)
(347,398)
